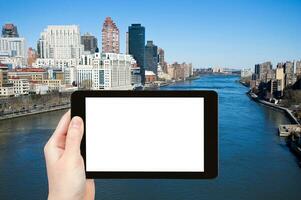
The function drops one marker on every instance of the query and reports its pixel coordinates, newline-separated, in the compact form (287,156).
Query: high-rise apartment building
(289,73)
(89,42)
(298,68)
(60,46)
(10,30)
(261,71)
(137,46)
(110,36)
(280,77)
(106,71)
(151,57)
(12,47)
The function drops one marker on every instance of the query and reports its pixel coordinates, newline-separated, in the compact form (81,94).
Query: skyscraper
(161,60)
(110,36)
(137,45)
(10,30)
(89,42)
(151,57)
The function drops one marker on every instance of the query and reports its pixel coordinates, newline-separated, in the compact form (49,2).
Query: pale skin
(65,165)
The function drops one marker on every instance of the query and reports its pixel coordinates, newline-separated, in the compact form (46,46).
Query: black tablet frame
(210,132)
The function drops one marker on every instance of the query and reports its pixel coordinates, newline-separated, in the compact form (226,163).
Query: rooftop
(29,70)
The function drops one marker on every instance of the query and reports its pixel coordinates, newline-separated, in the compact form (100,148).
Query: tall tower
(151,57)
(89,42)
(110,36)
(10,30)
(136,46)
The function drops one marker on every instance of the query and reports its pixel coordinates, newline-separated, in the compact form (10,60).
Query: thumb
(74,136)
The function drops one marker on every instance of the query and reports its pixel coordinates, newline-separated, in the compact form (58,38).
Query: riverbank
(287,111)
(34,112)
(22,106)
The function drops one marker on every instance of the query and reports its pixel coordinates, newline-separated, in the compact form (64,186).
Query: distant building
(53,84)
(59,46)
(11,47)
(261,71)
(7,91)
(151,57)
(290,78)
(21,86)
(70,76)
(136,76)
(178,71)
(10,30)
(136,47)
(150,77)
(110,37)
(31,74)
(32,56)
(298,68)
(280,77)
(245,73)
(161,60)
(89,42)
(127,47)
(108,71)
(6,88)
(3,75)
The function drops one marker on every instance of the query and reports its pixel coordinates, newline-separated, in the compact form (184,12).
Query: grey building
(151,57)
(90,42)
(261,71)
(161,60)
(290,78)
(136,45)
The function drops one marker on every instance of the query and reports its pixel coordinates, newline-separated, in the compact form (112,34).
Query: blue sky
(232,33)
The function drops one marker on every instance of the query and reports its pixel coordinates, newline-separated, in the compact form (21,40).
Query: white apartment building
(70,75)
(21,86)
(245,73)
(108,71)
(60,46)
(13,48)
(7,91)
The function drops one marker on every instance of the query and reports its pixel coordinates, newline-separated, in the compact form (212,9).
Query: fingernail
(76,122)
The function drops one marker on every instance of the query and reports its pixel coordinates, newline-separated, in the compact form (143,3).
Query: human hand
(65,165)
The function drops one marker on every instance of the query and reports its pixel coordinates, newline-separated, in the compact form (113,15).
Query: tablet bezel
(210,132)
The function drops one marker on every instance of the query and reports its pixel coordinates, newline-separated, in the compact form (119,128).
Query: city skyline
(215,33)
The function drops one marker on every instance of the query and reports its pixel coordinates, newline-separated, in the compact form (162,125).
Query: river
(254,162)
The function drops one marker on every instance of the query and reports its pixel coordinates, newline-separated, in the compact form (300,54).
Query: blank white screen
(145,134)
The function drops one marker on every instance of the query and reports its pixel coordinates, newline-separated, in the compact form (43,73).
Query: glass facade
(136,46)
(151,57)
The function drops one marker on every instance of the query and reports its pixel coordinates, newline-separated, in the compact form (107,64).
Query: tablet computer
(148,134)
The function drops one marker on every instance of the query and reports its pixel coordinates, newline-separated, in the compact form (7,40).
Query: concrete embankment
(287,111)
(34,112)
(33,104)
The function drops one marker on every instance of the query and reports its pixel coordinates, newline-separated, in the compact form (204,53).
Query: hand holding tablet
(148,134)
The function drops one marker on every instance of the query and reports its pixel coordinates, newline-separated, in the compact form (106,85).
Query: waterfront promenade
(287,111)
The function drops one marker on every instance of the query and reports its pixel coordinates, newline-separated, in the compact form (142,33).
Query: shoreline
(287,111)
(28,113)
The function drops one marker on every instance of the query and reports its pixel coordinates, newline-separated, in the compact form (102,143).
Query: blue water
(254,162)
